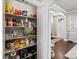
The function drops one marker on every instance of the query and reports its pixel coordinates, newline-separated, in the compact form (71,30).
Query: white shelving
(8,51)
(31,36)
(15,15)
(30,2)
(19,16)
(11,29)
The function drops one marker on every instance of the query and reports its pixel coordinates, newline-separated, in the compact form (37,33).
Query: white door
(60,24)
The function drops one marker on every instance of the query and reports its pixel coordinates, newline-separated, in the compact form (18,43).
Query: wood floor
(61,48)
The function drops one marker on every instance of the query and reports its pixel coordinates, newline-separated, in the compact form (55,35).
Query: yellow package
(8,8)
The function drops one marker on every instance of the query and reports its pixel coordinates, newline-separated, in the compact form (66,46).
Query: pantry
(20,30)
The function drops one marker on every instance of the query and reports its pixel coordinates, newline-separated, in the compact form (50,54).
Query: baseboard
(65,39)
(70,40)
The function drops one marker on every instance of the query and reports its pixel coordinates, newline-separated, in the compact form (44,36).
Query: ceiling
(39,0)
(67,5)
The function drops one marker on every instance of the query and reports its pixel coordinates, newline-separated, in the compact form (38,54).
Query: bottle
(22,23)
(17,57)
(27,41)
(14,34)
(10,22)
(21,54)
(14,22)
(26,22)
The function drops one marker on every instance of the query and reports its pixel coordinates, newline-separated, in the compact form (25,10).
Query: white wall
(72,26)
(53,29)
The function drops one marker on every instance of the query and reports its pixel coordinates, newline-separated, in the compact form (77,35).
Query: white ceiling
(39,0)
(67,5)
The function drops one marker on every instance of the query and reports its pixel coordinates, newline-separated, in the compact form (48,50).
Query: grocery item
(14,34)
(22,23)
(34,32)
(22,43)
(32,42)
(8,45)
(27,42)
(10,22)
(28,29)
(17,57)
(8,36)
(24,13)
(14,22)
(18,12)
(26,22)
(30,15)
(18,23)
(16,44)
(23,53)
(8,8)
(34,16)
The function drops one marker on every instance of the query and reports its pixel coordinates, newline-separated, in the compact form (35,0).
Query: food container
(22,23)
(24,13)
(8,36)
